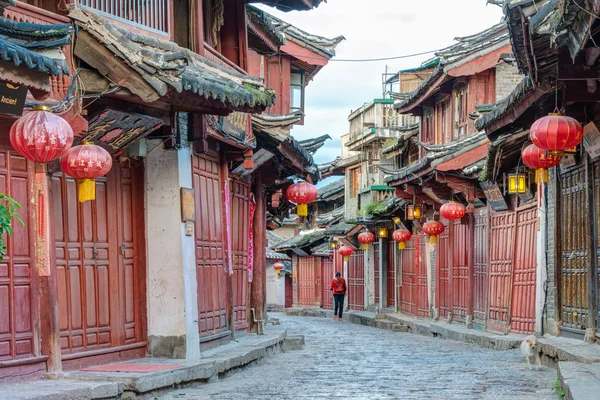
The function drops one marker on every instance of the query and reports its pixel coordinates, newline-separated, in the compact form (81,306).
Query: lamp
(382,232)
(397,220)
(413,212)
(333,244)
(517,183)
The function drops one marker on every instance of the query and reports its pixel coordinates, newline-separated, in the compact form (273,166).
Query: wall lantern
(517,183)
(366,238)
(397,220)
(413,212)
(278,267)
(382,232)
(333,244)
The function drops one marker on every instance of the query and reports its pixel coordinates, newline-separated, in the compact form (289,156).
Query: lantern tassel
(302,210)
(401,246)
(541,175)
(366,245)
(87,190)
(346,258)
(432,239)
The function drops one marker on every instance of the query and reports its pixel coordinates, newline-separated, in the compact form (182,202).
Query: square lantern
(333,244)
(413,212)
(517,183)
(382,232)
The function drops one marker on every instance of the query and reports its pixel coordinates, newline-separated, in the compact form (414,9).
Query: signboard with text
(12,99)
(494,196)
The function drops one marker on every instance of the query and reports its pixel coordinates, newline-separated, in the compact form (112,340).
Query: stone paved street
(347,361)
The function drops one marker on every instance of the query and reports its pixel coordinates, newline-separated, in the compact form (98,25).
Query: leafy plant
(371,209)
(557,387)
(8,212)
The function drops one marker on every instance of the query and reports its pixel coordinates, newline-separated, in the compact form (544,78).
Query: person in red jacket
(338,286)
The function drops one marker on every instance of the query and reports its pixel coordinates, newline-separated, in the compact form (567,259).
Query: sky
(374,29)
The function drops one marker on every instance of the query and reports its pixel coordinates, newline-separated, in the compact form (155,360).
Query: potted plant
(8,212)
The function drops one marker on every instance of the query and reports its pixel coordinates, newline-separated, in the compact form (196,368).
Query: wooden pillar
(590,332)
(450,293)
(258,295)
(470,267)
(228,239)
(44,262)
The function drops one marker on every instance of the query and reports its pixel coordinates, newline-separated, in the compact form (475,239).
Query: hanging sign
(12,99)
(188,207)
(236,124)
(591,140)
(494,196)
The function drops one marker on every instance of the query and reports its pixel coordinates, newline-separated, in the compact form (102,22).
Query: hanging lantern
(401,236)
(278,267)
(86,162)
(413,212)
(41,136)
(517,183)
(366,238)
(333,244)
(433,229)
(540,160)
(556,133)
(382,232)
(452,211)
(346,252)
(302,193)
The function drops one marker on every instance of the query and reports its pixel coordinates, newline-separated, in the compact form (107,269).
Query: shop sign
(236,124)
(12,99)
(591,140)
(494,196)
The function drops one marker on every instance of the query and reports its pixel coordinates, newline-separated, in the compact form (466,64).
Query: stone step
(579,381)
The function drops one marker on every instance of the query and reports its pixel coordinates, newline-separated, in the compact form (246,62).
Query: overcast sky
(375,29)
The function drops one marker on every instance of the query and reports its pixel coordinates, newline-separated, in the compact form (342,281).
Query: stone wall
(507,78)
(552,317)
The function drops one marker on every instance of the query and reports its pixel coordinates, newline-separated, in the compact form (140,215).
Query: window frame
(301,86)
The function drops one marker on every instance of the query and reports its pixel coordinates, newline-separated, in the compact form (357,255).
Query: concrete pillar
(370,276)
(172,286)
(381,275)
(541,258)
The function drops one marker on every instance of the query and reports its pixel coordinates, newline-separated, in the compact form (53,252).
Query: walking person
(338,286)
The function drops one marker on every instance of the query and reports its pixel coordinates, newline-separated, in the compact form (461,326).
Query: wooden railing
(153,14)
(219,59)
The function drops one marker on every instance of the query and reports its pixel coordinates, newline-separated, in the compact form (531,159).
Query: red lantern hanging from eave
(86,162)
(401,236)
(433,229)
(540,160)
(278,267)
(302,193)
(346,251)
(366,238)
(452,211)
(41,136)
(556,133)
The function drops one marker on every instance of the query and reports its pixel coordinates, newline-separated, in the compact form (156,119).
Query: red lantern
(540,160)
(302,193)
(346,252)
(278,267)
(41,136)
(452,211)
(401,236)
(433,229)
(86,162)
(366,238)
(556,133)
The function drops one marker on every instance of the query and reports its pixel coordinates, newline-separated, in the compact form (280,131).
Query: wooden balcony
(219,59)
(152,15)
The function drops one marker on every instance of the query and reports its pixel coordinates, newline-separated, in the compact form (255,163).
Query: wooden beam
(93,82)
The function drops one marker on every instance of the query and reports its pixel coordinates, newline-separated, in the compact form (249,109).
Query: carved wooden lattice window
(461,113)
(443,121)
(354,181)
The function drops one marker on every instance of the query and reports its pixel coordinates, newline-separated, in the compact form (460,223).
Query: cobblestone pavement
(347,361)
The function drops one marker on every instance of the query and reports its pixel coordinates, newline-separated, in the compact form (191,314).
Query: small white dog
(530,348)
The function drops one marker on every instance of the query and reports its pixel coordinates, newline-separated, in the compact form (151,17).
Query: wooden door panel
(391,274)
(408,290)
(422,292)
(376,271)
(306,281)
(480,261)
(460,271)
(327,275)
(356,281)
(444,273)
(240,217)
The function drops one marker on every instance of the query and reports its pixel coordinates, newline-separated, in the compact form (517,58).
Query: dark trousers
(338,301)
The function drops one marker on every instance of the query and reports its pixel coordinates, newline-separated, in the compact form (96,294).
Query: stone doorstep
(579,381)
(96,385)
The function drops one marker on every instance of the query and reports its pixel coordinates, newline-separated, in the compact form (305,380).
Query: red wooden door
(17,287)
(391,274)
(408,289)
(210,245)
(460,270)
(421,291)
(501,253)
(98,264)
(356,281)
(240,208)
(443,273)
(376,271)
(327,275)
(522,318)
(306,281)
(289,292)
(480,261)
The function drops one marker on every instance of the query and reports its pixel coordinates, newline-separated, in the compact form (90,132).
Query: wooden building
(171,102)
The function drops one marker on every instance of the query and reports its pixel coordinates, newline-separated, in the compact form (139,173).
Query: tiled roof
(259,17)
(331,189)
(314,144)
(302,240)
(272,240)
(506,104)
(322,250)
(35,46)
(165,66)
(332,217)
(341,228)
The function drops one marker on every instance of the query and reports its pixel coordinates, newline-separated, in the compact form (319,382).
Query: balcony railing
(219,59)
(149,14)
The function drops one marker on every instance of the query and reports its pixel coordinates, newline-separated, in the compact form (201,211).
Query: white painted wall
(171,277)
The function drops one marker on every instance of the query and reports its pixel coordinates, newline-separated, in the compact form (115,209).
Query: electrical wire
(357,59)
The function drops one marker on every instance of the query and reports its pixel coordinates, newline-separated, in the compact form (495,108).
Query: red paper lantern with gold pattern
(556,133)
(540,160)
(433,229)
(41,136)
(452,211)
(86,162)
(401,236)
(366,238)
(346,251)
(302,193)
(278,267)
